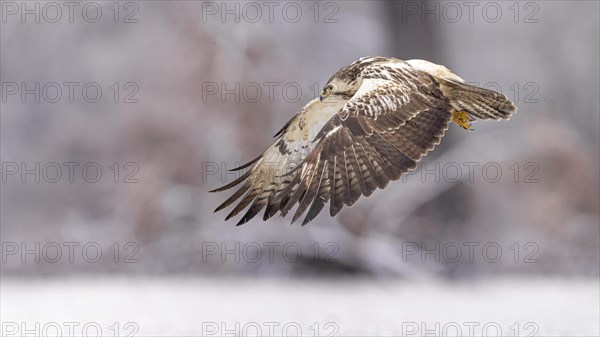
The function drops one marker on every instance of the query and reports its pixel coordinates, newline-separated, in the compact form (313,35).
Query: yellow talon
(462,119)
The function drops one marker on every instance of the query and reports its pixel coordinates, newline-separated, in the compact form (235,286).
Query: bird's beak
(323,96)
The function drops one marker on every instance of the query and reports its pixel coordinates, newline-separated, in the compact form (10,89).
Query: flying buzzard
(374,120)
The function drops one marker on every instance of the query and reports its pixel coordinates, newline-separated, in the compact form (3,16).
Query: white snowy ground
(233,307)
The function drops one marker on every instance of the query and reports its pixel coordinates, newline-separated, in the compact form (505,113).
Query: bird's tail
(469,102)
(478,103)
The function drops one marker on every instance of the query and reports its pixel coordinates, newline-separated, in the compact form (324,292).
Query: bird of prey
(375,119)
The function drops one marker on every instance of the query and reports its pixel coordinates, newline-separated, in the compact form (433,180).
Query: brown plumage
(376,118)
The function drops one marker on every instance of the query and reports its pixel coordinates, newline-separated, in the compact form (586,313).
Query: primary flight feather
(374,120)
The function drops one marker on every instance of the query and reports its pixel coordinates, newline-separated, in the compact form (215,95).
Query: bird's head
(346,81)
(342,85)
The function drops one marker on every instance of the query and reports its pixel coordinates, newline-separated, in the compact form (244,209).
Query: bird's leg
(462,119)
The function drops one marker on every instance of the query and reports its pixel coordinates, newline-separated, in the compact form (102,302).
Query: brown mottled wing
(268,174)
(264,178)
(395,118)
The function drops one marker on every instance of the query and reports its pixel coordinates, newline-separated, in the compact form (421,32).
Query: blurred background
(117,118)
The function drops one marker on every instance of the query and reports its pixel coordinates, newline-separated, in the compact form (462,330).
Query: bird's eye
(329,87)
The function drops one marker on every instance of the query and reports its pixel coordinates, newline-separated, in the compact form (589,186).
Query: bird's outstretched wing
(267,174)
(396,117)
